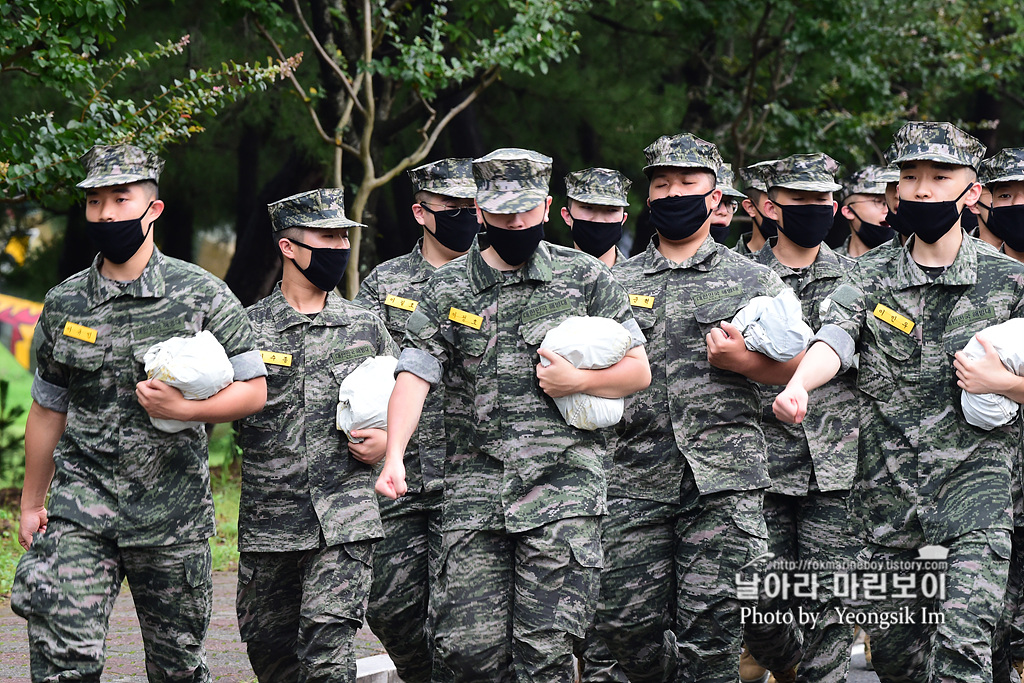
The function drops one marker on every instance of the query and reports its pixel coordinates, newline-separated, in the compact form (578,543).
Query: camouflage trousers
(959,646)
(404,572)
(66,584)
(668,608)
(595,661)
(298,612)
(1009,642)
(815,531)
(511,606)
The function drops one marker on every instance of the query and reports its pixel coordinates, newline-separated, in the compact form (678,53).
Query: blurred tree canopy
(588,83)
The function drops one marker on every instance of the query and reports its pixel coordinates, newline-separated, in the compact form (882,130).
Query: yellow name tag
(641,301)
(893,318)
(399,302)
(75,331)
(467,319)
(274,358)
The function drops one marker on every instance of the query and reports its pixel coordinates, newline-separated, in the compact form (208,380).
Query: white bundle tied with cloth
(364,395)
(774,326)
(989,411)
(196,366)
(589,343)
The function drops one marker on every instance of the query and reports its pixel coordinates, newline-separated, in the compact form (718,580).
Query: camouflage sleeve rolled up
(842,314)
(50,386)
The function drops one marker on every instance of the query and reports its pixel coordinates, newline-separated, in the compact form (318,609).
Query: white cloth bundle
(989,411)
(364,395)
(774,326)
(590,343)
(197,366)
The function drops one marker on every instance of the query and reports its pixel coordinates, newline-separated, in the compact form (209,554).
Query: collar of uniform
(151,284)
(482,276)
(825,265)
(962,271)
(422,270)
(705,259)
(286,317)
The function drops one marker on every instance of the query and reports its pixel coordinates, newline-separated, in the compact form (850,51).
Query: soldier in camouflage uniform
(721,217)
(811,464)
(596,211)
(756,194)
(1002,213)
(127,499)
(864,208)
(523,490)
(925,476)
(598,196)
(308,516)
(404,562)
(685,490)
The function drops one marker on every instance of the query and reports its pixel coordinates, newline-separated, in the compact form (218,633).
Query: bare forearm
(43,430)
(404,410)
(767,371)
(237,400)
(819,364)
(628,376)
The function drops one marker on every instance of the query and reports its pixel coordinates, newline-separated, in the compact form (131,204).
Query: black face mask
(719,233)
(872,234)
(593,237)
(768,228)
(515,246)
(1007,223)
(326,266)
(931,220)
(806,225)
(676,218)
(454,228)
(118,241)
(897,224)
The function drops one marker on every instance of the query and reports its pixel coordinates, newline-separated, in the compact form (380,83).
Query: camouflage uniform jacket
(825,443)
(691,411)
(924,474)
(742,243)
(298,480)
(513,463)
(116,474)
(390,290)
(844,248)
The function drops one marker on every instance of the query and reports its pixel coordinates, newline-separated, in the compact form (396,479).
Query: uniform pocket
(579,591)
(199,568)
(886,358)
(709,315)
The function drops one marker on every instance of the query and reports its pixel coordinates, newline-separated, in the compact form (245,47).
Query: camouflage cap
(107,165)
(890,174)
(727,181)
(601,186)
(807,172)
(447,177)
(682,151)
(935,141)
(323,209)
(511,180)
(1006,166)
(868,180)
(753,175)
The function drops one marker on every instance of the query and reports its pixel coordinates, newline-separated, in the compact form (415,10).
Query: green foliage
(10,550)
(56,46)
(12,439)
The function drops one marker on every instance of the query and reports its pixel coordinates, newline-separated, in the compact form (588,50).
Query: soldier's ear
(286,247)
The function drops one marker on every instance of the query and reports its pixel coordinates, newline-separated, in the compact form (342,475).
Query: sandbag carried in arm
(989,411)
(774,326)
(364,395)
(196,366)
(589,343)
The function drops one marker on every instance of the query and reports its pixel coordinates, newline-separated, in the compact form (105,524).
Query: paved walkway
(125,657)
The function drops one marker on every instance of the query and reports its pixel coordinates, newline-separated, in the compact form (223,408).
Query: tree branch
(345,82)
